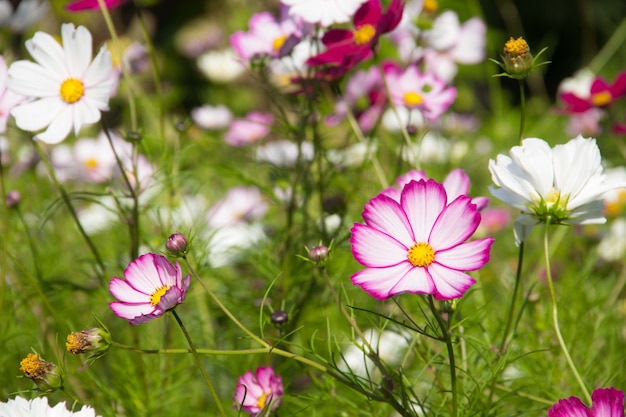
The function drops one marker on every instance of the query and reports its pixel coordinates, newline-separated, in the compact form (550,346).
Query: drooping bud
(94,341)
(177,244)
(46,375)
(318,253)
(279,317)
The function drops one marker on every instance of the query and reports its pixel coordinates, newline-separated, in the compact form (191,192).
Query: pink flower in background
(252,128)
(259,393)
(151,286)
(240,204)
(600,94)
(418,244)
(8,99)
(457,183)
(78,5)
(323,12)
(347,47)
(606,402)
(267,37)
(417,91)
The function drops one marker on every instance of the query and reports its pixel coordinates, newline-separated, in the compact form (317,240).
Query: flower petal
(142,274)
(378,282)
(32,80)
(385,214)
(59,128)
(130,311)
(570,407)
(121,290)
(48,53)
(36,115)
(77,48)
(455,225)
(457,183)
(468,256)
(607,402)
(449,283)
(416,281)
(423,201)
(374,248)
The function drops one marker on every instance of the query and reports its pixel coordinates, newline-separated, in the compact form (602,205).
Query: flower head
(418,244)
(606,402)
(257,393)
(266,37)
(69,89)
(562,185)
(517,61)
(252,128)
(94,341)
(21,407)
(151,286)
(598,94)
(47,376)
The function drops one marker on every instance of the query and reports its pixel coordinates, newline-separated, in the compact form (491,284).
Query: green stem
(522,117)
(196,357)
(70,207)
(614,44)
(555,318)
(518,274)
(447,338)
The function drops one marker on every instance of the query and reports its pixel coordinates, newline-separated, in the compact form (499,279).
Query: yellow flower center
(33,367)
(262,400)
(72,90)
(614,208)
(76,343)
(155,297)
(421,254)
(91,163)
(516,47)
(279,42)
(412,99)
(430,6)
(364,34)
(602,98)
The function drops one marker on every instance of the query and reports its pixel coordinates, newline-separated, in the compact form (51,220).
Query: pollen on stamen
(279,42)
(412,99)
(72,90)
(155,297)
(421,254)
(516,47)
(602,98)
(364,34)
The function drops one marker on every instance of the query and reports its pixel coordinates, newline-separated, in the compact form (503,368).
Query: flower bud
(318,253)
(46,375)
(279,317)
(13,199)
(177,244)
(517,60)
(94,341)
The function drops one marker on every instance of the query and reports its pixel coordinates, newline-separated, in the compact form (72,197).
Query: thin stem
(614,44)
(447,338)
(70,207)
(518,274)
(555,318)
(522,116)
(199,363)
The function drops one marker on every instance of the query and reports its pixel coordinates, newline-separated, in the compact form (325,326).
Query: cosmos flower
(68,89)
(78,5)
(600,93)
(418,244)
(21,407)
(151,286)
(252,128)
(323,12)
(606,402)
(259,393)
(267,37)
(564,184)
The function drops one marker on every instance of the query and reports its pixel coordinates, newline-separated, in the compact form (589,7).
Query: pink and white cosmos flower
(260,393)
(151,286)
(266,37)
(418,244)
(606,402)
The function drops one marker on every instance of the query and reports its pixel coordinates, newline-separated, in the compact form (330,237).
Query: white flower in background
(284,152)
(27,13)
(564,184)
(220,66)
(211,117)
(324,12)
(353,155)
(99,215)
(8,99)
(69,89)
(225,245)
(21,407)
(579,84)
(389,345)
(241,204)
(432,148)
(612,247)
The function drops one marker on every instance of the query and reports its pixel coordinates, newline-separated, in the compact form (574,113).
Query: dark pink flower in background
(347,47)
(606,402)
(79,5)
(418,244)
(601,94)
(259,393)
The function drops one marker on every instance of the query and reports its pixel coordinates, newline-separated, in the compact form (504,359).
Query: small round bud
(94,341)
(13,199)
(279,317)
(517,60)
(46,375)
(318,253)
(133,136)
(177,244)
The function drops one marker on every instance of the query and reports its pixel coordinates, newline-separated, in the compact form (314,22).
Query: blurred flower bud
(517,61)
(13,199)
(279,317)
(133,136)
(318,253)
(177,244)
(94,341)
(46,375)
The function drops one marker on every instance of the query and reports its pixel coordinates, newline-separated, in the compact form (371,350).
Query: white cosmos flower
(564,184)
(324,12)
(68,89)
(21,407)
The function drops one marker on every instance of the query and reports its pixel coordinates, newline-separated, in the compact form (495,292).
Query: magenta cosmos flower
(418,244)
(600,94)
(259,394)
(78,5)
(606,402)
(151,286)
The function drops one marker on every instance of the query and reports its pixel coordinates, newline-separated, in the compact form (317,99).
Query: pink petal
(374,248)
(456,183)
(468,256)
(378,282)
(142,274)
(449,282)
(130,311)
(456,224)
(416,281)
(607,402)
(570,407)
(386,215)
(423,201)
(121,290)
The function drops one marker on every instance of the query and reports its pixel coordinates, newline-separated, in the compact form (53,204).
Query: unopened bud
(13,199)
(177,244)
(517,61)
(46,375)
(279,317)
(94,341)
(318,253)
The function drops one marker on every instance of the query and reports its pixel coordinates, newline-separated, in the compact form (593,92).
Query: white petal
(99,70)
(534,158)
(77,47)
(48,53)
(522,227)
(59,129)
(38,114)
(33,80)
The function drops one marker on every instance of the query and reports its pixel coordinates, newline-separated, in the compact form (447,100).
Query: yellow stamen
(155,297)
(364,34)
(430,6)
(516,47)
(91,163)
(602,98)
(279,42)
(262,400)
(76,343)
(72,90)
(32,366)
(421,254)
(412,99)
